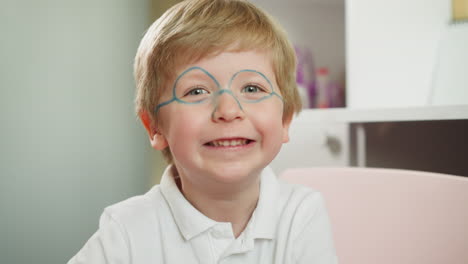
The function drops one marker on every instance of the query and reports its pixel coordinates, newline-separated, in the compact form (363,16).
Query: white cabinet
(420,138)
(314,144)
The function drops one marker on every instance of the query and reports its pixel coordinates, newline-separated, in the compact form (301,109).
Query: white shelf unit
(338,137)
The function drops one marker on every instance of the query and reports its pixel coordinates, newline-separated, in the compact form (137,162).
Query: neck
(225,203)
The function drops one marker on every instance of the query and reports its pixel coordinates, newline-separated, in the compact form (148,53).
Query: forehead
(200,75)
(224,64)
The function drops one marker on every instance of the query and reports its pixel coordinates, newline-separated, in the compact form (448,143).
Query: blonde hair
(193,29)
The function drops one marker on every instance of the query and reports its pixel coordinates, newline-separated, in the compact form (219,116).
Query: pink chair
(392,216)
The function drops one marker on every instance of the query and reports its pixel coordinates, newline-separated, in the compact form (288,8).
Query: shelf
(425,113)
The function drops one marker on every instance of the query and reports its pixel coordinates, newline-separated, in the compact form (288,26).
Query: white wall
(70,143)
(391,50)
(450,83)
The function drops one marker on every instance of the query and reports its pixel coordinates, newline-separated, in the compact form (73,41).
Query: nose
(227,108)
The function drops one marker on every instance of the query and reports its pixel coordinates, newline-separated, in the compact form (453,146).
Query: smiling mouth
(229,142)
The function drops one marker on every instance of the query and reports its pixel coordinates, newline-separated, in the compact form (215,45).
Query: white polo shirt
(289,225)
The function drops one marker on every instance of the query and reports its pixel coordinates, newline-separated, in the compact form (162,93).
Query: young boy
(216,92)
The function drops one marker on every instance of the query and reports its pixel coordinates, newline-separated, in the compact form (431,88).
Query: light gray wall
(70,143)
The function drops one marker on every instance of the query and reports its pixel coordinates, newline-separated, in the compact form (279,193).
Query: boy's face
(222,118)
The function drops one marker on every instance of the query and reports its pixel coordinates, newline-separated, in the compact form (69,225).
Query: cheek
(270,124)
(272,137)
(183,127)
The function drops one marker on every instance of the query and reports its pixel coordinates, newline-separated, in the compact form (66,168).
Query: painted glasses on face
(197,86)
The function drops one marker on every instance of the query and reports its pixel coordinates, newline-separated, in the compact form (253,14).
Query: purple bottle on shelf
(305,76)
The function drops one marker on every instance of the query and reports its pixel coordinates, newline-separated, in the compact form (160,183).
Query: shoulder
(120,226)
(286,199)
(136,210)
(309,228)
(299,196)
(302,207)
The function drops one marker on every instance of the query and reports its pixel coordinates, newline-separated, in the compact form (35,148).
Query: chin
(237,173)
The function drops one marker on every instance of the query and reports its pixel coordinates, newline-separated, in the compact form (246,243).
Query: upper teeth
(228,143)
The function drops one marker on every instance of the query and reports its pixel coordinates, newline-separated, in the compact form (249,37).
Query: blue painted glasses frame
(197,94)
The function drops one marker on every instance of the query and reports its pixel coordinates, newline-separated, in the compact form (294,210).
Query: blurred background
(70,142)
(388,77)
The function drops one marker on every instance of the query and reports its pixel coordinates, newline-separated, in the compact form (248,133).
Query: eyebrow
(200,72)
(195,74)
(259,75)
(251,76)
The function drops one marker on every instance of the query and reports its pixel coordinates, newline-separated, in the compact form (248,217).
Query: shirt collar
(192,222)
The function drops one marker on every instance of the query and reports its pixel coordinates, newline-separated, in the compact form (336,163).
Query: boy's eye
(197,91)
(251,89)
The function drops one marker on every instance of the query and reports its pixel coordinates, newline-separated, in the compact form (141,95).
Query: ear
(158,141)
(286,124)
